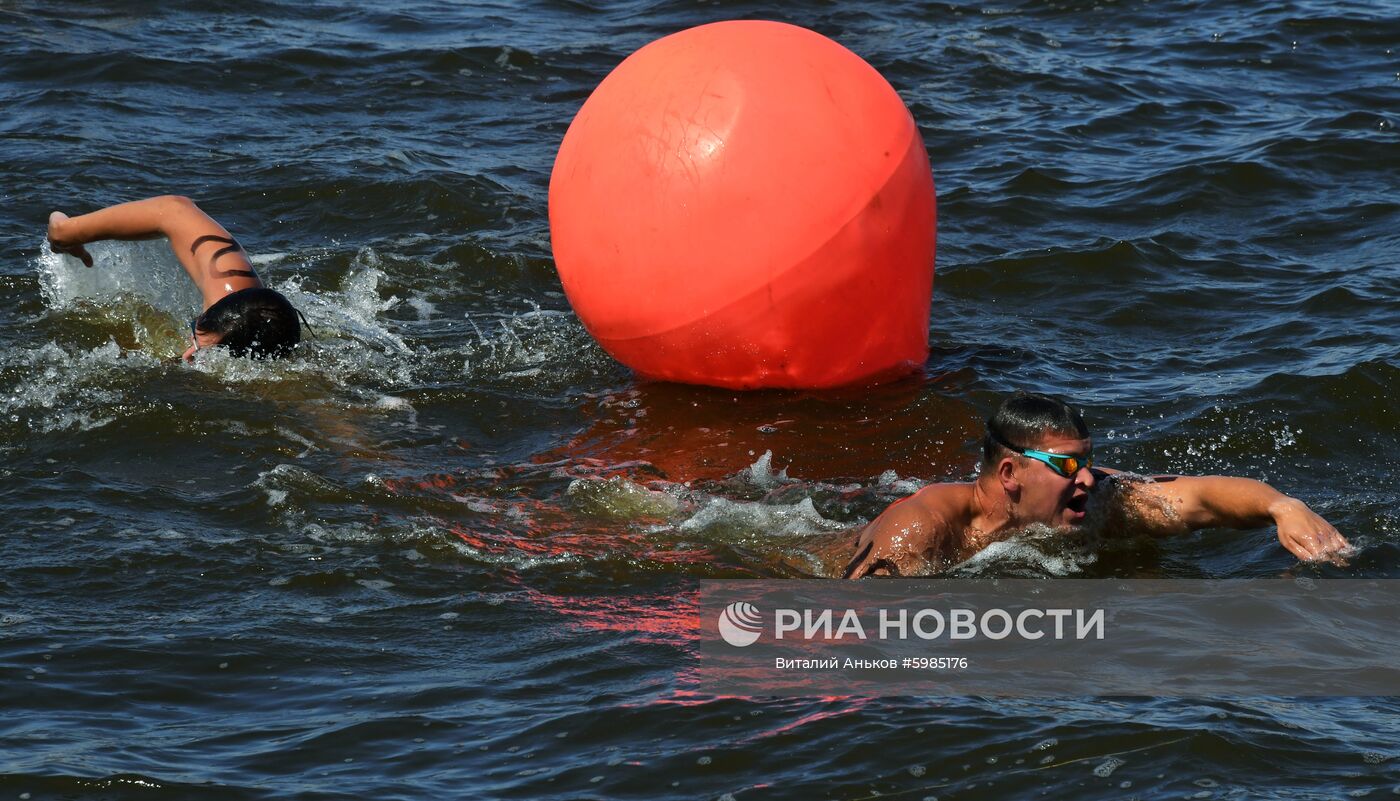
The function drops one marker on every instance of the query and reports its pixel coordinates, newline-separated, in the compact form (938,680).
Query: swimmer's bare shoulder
(913,535)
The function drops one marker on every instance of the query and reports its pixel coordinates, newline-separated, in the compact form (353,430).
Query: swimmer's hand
(61,244)
(1306,535)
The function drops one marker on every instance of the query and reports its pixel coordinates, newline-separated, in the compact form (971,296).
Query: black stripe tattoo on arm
(232,247)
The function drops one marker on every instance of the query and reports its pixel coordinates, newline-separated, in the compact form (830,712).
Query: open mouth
(1078,504)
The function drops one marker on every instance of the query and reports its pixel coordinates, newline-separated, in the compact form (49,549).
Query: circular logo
(740,624)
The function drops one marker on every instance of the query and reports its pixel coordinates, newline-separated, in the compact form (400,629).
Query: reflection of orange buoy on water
(747,204)
(679,434)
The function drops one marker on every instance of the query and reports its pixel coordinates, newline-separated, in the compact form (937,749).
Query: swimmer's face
(1048,497)
(199,340)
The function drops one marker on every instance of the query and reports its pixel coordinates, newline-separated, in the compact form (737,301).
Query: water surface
(446,551)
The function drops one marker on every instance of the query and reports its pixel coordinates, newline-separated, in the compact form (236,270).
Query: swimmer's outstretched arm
(215,262)
(1230,502)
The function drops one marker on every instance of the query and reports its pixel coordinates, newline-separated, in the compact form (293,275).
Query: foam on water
(618,498)
(546,347)
(305,486)
(1037,552)
(890,481)
(424,307)
(519,561)
(762,475)
(357,309)
(53,388)
(787,510)
(723,517)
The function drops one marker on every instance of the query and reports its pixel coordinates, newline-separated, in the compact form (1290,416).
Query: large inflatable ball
(747,204)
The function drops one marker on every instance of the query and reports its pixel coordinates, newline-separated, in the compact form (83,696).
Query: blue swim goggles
(1065,465)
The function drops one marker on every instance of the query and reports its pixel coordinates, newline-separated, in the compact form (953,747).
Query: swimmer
(239,312)
(1036,470)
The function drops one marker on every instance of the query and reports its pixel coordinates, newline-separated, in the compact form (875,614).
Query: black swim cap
(258,322)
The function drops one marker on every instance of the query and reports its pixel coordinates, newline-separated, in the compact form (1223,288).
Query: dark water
(447,551)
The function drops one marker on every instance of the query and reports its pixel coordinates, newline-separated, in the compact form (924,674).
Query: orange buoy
(747,204)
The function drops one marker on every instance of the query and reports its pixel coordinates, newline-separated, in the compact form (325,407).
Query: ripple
(453,543)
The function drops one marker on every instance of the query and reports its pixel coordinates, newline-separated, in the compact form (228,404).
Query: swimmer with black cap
(239,312)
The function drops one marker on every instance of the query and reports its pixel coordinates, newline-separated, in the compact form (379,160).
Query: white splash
(620,499)
(762,475)
(536,344)
(721,515)
(61,389)
(890,481)
(1039,551)
(147,270)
